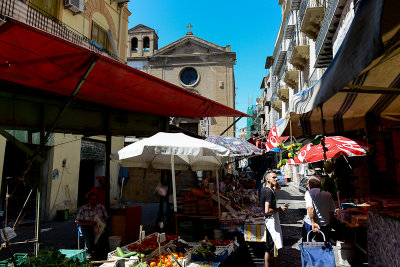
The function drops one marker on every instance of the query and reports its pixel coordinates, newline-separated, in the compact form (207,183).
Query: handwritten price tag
(161,238)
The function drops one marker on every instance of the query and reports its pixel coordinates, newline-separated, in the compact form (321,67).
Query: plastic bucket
(114,242)
(345,253)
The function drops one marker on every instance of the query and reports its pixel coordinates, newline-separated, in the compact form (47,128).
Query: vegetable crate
(113,254)
(19,258)
(222,253)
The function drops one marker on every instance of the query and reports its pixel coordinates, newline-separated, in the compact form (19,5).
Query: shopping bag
(317,254)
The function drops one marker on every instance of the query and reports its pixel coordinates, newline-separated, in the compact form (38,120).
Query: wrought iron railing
(329,14)
(291,46)
(38,18)
(314,77)
(295,4)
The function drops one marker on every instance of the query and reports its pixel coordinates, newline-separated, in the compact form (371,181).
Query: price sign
(161,237)
(140,234)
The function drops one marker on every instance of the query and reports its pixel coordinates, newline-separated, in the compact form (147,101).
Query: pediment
(140,28)
(190,45)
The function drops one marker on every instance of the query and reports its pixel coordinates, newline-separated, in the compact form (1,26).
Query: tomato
(152,264)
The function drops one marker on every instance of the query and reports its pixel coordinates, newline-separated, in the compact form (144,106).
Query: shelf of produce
(148,243)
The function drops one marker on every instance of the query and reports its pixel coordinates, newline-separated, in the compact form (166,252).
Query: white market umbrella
(173,151)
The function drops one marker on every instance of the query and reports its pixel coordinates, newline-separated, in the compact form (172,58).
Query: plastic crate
(75,254)
(221,252)
(19,258)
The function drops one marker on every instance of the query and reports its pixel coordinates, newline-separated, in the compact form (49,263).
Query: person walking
(272,223)
(320,208)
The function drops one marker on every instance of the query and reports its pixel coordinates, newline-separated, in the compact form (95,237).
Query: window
(100,36)
(51,7)
(146,43)
(189,76)
(134,44)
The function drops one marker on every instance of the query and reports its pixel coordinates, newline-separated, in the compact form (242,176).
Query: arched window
(134,44)
(146,43)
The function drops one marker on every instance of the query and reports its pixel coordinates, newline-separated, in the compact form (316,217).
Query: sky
(250,27)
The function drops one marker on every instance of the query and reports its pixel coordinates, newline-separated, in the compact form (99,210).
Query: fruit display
(220,243)
(149,244)
(166,260)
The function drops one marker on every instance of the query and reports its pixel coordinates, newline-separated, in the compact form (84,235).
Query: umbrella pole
(219,201)
(173,182)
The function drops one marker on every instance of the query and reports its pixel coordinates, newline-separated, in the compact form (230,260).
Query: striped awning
(361,87)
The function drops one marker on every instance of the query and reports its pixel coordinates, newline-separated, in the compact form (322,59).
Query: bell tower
(143,41)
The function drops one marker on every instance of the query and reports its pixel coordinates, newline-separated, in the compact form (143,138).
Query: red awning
(34,58)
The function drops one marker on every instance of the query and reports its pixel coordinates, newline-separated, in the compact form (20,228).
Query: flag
(274,134)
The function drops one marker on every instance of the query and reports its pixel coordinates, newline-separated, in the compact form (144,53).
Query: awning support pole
(231,125)
(72,96)
(107,174)
(60,113)
(173,182)
(218,197)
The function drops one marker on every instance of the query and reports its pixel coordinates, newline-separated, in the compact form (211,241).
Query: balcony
(280,58)
(311,14)
(300,56)
(283,94)
(292,78)
(277,105)
(324,44)
(33,16)
(290,25)
(295,4)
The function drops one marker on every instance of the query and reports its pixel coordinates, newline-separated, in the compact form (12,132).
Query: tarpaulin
(41,61)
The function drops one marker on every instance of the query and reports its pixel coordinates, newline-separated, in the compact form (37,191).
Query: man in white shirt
(320,208)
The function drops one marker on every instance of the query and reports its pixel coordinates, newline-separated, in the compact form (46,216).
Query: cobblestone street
(291,222)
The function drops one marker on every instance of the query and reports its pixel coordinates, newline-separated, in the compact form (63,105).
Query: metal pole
(219,200)
(23,207)
(37,222)
(108,169)
(231,125)
(173,182)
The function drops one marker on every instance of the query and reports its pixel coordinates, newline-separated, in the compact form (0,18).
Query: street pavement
(291,223)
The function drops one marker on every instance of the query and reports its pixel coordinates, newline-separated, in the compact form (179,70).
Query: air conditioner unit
(76,6)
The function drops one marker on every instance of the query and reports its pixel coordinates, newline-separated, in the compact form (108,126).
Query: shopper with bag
(320,208)
(272,223)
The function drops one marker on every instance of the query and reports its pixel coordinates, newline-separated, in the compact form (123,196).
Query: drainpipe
(119,29)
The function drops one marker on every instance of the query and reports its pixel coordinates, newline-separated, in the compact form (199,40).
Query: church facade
(192,63)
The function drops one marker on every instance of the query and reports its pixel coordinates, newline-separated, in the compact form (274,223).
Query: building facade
(190,62)
(309,36)
(98,25)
